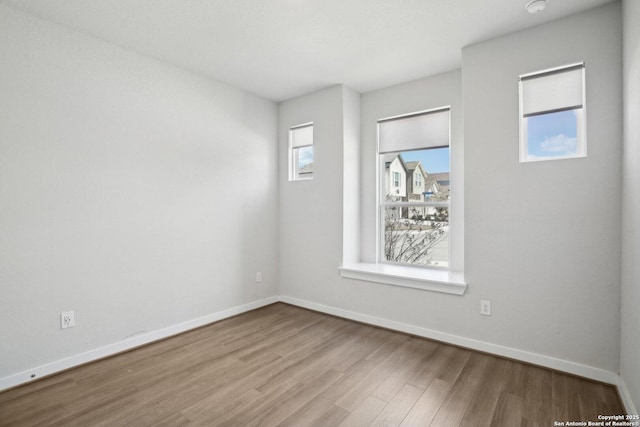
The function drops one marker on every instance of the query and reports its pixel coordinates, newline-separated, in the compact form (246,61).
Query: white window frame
(368,268)
(382,203)
(294,171)
(580,111)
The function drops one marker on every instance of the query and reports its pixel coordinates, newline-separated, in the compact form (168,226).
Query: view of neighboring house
(417,187)
(395,177)
(442,183)
(416,180)
(410,182)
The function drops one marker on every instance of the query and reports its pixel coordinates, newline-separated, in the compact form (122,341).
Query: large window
(414,171)
(552,114)
(301,152)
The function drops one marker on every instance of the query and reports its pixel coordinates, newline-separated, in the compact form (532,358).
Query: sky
(552,135)
(434,160)
(305,156)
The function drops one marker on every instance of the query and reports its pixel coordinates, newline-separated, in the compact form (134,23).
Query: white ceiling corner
(280,49)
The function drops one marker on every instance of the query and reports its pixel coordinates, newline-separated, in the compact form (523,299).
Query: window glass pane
(304,161)
(552,135)
(434,160)
(552,114)
(417,235)
(305,158)
(301,154)
(430,170)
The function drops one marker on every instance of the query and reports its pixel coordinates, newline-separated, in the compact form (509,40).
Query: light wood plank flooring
(286,366)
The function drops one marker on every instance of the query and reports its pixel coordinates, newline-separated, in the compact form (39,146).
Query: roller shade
(552,91)
(414,132)
(301,136)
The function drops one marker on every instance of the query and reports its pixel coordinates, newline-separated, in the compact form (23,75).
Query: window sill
(409,277)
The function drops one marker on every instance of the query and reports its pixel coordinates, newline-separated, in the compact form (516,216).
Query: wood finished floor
(286,366)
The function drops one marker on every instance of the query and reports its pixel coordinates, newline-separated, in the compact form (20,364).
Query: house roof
(443,180)
(441,176)
(411,166)
(390,157)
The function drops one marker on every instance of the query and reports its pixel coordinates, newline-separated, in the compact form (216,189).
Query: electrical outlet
(485,308)
(259,277)
(67,320)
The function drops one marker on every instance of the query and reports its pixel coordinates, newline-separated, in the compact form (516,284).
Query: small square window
(301,152)
(552,114)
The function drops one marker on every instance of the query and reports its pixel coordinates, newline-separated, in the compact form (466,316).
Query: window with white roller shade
(552,114)
(301,152)
(414,188)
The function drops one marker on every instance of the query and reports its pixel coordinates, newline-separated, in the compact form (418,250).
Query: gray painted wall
(111,206)
(630,337)
(117,203)
(311,211)
(543,239)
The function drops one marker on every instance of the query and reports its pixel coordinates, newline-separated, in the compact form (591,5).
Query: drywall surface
(543,238)
(630,336)
(134,193)
(311,210)
(351,177)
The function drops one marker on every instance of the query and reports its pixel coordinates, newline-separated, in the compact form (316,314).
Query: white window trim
(427,279)
(362,266)
(294,174)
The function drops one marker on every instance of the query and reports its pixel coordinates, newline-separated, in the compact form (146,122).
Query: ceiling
(280,49)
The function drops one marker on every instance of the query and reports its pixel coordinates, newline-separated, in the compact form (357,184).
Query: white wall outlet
(485,308)
(67,320)
(259,277)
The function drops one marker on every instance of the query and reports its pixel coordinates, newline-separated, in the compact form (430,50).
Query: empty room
(327,213)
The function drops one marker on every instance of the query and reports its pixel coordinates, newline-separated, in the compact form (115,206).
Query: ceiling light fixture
(535,6)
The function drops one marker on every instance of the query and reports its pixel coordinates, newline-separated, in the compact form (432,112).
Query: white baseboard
(585,371)
(128,344)
(139,340)
(629,406)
